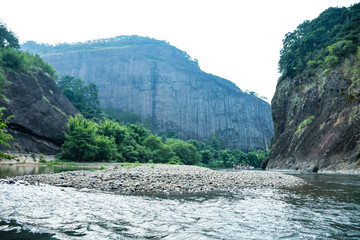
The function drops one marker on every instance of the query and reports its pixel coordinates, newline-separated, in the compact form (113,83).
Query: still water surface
(327,208)
(9,170)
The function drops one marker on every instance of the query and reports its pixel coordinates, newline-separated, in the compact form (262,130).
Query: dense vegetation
(126,137)
(15,60)
(83,96)
(4,137)
(322,42)
(7,38)
(110,140)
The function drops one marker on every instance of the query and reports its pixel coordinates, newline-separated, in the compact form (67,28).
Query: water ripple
(66,213)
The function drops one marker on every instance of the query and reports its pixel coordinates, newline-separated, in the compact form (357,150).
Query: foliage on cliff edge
(323,42)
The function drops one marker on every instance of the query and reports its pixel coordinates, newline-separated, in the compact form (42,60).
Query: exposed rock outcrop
(317,123)
(161,83)
(40,113)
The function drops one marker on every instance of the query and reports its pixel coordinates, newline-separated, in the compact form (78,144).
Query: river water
(328,207)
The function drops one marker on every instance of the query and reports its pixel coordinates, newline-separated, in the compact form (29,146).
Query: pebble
(161,179)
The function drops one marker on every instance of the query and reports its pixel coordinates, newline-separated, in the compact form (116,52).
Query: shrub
(185,151)
(83,143)
(351,98)
(42,158)
(4,137)
(303,125)
(331,61)
(33,156)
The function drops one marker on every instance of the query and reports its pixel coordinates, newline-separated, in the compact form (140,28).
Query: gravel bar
(161,179)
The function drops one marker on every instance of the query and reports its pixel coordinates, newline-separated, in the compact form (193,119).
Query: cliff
(317,124)
(40,113)
(162,83)
(316,107)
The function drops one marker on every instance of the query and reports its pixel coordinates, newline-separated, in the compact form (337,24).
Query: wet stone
(161,179)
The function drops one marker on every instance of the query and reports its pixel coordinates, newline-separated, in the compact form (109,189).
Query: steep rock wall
(317,124)
(40,113)
(160,83)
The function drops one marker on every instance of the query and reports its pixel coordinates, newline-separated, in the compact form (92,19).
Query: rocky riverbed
(160,179)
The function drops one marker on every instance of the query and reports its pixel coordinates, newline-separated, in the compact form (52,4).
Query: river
(328,207)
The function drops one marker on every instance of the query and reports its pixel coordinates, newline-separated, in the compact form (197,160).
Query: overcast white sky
(234,39)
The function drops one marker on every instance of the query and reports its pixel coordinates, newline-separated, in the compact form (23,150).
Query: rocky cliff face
(317,123)
(159,82)
(40,113)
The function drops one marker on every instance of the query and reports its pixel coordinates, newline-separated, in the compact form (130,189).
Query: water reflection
(8,170)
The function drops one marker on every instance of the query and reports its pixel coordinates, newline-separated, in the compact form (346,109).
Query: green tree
(185,151)
(206,156)
(215,142)
(83,143)
(329,38)
(8,38)
(84,97)
(114,130)
(138,133)
(153,142)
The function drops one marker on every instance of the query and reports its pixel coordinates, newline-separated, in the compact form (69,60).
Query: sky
(233,39)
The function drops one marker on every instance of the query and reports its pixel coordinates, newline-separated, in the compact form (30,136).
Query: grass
(56,162)
(302,126)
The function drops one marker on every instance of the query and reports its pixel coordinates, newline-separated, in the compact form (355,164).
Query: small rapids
(327,208)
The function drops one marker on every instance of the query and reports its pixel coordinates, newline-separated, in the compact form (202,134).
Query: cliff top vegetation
(106,43)
(15,60)
(322,42)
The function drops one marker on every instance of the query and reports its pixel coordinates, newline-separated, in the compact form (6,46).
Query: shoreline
(161,179)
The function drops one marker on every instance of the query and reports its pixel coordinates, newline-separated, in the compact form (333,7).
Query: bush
(303,125)
(83,143)
(331,61)
(23,62)
(4,137)
(185,151)
(342,48)
(42,158)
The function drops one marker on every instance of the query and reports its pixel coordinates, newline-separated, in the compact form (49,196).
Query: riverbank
(161,179)
(27,158)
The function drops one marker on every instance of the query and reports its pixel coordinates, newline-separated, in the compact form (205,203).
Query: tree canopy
(13,59)
(324,41)
(83,96)
(115,42)
(96,136)
(8,38)
(109,140)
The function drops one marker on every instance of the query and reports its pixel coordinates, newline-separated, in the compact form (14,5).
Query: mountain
(316,107)
(163,84)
